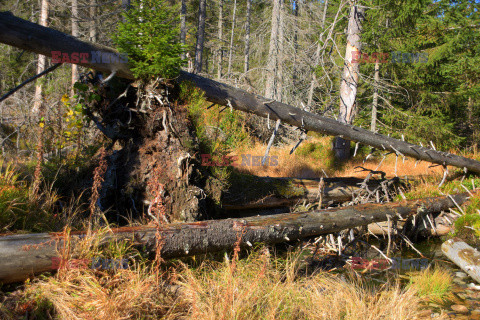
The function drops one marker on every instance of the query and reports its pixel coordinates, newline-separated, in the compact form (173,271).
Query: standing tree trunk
(230,49)
(42,40)
(247,38)
(317,60)
(271,84)
(220,40)
(41,60)
(200,36)
(76,34)
(93,21)
(376,79)
(183,25)
(279,76)
(349,82)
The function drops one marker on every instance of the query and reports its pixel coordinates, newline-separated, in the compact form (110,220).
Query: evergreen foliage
(149,36)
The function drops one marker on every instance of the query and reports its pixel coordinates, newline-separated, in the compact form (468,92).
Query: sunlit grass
(433,285)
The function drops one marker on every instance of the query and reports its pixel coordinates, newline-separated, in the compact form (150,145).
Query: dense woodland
(294,52)
(122,192)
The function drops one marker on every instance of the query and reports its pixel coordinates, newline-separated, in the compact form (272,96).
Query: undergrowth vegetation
(260,286)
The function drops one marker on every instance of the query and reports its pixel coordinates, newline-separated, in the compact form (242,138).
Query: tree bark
(267,193)
(230,49)
(183,24)
(464,256)
(93,21)
(349,81)
(246,65)
(76,34)
(220,40)
(32,37)
(200,36)
(34,253)
(271,82)
(280,55)
(376,79)
(41,60)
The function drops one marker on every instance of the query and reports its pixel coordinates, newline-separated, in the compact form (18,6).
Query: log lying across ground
(251,193)
(28,254)
(33,37)
(464,256)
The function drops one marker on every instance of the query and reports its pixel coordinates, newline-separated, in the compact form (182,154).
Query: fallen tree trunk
(464,256)
(266,192)
(42,40)
(28,254)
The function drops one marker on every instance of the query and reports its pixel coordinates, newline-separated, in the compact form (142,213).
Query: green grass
(434,285)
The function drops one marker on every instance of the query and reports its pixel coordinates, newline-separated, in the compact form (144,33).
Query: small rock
(462,296)
(435,315)
(459,308)
(460,274)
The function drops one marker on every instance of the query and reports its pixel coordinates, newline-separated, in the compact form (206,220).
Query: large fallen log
(251,193)
(464,256)
(33,37)
(28,254)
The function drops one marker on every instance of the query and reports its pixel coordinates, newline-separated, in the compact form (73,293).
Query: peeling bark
(349,82)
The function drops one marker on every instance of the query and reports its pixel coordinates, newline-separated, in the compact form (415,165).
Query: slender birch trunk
(376,79)
(41,60)
(76,34)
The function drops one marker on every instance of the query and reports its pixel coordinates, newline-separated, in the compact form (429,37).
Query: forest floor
(302,281)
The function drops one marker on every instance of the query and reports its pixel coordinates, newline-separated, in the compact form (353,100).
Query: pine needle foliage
(149,36)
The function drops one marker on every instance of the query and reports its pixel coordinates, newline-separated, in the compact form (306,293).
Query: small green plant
(434,285)
(148,35)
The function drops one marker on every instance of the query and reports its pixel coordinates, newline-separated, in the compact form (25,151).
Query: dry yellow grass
(258,287)
(316,165)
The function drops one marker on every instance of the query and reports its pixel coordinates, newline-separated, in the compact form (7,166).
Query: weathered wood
(464,256)
(266,192)
(28,254)
(33,37)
